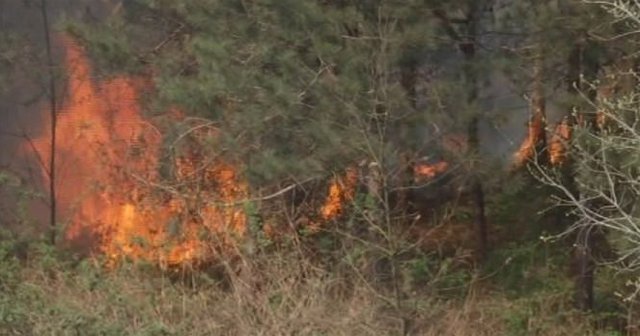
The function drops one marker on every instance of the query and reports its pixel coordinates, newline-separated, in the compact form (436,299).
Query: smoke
(24,94)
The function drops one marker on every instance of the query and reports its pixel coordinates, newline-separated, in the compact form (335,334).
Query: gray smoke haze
(23,104)
(24,94)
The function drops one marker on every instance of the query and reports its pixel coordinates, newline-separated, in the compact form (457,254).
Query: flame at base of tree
(108,184)
(118,190)
(535,136)
(558,143)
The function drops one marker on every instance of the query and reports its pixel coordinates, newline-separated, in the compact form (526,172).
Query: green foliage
(21,198)
(51,293)
(441,276)
(114,51)
(300,87)
(526,267)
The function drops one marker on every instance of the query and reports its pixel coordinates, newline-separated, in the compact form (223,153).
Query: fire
(556,146)
(341,190)
(108,183)
(535,135)
(558,143)
(429,171)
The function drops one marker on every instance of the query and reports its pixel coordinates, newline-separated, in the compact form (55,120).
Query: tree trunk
(582,70)
(534,147)
(538,107)
(53,116)
(585,268)
(468,48)
(467,45)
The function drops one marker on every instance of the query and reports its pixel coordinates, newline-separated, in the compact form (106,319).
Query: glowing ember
(558,143)
(429,171)
(108,185)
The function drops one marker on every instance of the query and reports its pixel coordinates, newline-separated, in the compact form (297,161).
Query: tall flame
(534,143)
(108,184)
(535,135)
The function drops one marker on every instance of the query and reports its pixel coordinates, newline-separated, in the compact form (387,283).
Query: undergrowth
(283,292)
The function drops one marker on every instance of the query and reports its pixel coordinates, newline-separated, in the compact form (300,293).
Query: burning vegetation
(341,191)
(555,146)
(110,189)
(113,189)
(535,136)
(558,143)
(108,183)
(425,171)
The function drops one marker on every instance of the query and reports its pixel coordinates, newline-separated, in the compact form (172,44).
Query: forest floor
(524,287)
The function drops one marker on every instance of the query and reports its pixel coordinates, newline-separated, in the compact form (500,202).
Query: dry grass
(282,294)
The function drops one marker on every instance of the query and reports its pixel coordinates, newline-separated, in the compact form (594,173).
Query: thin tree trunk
(534,147)
(409,78)
(408,81)
(538,109)
(468,48)
(585,267)
(53,117)
(580,69)
(467,45)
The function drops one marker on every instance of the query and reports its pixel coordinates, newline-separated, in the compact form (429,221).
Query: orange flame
(108,184)
(341,190)
(558,143)
(535,135)
(429,171)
